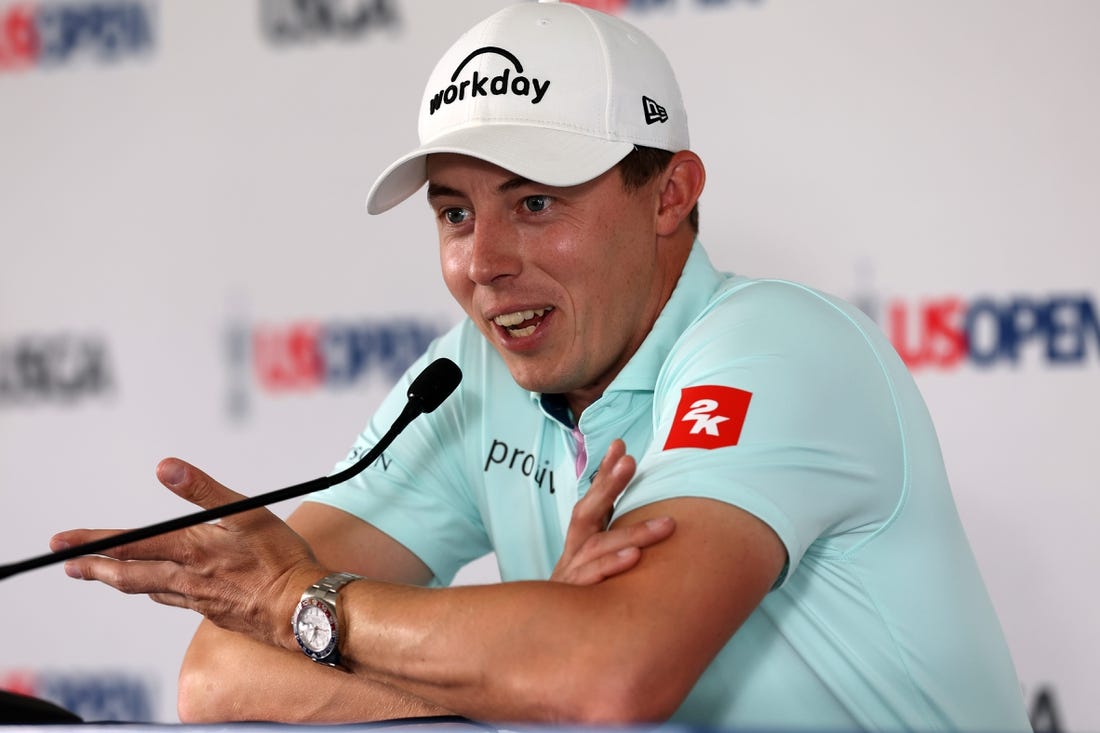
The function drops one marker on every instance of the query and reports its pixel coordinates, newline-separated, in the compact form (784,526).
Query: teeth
(508,320)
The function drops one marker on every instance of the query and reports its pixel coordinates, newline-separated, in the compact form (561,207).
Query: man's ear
(681,184)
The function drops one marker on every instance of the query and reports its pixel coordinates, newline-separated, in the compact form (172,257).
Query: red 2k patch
(708,416)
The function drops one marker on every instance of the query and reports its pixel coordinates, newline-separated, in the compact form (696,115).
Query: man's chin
(534,380)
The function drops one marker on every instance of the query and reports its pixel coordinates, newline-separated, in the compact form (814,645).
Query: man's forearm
(626,650)
(229,677)
(497,653)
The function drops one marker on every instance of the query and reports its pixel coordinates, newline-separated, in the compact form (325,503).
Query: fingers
(156,548)
(642,534)
(73,537)
(128,577)
(616,470)
(182,479)
(158,580)
(188,482)
(592,554)
(601,568)
(593,512)
(165,582)
(178,546)
(227,571)
(609,553)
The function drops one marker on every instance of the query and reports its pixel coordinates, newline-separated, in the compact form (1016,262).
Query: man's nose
(495,253)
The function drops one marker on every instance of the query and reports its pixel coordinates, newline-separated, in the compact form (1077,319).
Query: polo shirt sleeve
(819,456)
(418,492)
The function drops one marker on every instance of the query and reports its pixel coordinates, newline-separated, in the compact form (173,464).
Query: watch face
(314,627)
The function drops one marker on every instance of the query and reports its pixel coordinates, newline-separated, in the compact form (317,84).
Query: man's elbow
(199,698)
(622,712)
(212,686)
(616,698)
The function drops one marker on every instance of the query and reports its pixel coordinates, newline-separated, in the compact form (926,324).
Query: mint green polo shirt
(767,395)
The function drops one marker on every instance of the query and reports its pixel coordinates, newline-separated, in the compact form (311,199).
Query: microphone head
(434,384)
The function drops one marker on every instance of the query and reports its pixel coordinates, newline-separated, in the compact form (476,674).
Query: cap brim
(547,156)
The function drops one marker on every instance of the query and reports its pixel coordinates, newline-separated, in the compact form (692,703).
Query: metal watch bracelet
(323,597)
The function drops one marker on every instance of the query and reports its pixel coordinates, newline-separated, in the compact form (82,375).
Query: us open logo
(510,81)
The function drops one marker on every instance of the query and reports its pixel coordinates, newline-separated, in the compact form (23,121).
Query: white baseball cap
(551,91)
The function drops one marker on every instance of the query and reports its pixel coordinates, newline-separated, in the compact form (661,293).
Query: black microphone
(427,392)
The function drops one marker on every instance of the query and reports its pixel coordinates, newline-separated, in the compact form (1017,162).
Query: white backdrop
(186,268)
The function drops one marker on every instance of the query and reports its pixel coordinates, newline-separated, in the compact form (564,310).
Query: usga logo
(483,86)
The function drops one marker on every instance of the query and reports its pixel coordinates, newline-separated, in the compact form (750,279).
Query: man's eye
(455,215)
(536,204)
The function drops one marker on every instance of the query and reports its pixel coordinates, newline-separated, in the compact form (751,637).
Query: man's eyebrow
(513,183)
(436,190)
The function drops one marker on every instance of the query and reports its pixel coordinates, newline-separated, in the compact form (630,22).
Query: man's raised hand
(593,552)
(244,573)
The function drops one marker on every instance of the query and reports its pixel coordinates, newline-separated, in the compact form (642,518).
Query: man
(786,554)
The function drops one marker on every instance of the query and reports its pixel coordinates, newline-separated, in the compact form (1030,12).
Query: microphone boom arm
(427,391)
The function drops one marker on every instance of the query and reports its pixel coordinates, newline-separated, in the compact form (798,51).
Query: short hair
(640,166)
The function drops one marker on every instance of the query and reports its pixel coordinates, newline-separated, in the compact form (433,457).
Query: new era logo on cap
(708,416)
(653,111)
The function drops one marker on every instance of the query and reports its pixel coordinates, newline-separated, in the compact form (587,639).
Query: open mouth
(521,323)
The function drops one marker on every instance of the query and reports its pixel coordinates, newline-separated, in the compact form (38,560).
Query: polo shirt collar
(689,299)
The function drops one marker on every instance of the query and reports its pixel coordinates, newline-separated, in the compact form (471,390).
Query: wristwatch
(316,621)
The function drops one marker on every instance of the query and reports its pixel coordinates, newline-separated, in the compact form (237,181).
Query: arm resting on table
(229,677)
(626,650)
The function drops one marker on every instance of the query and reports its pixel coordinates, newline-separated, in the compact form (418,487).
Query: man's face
(565,283)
